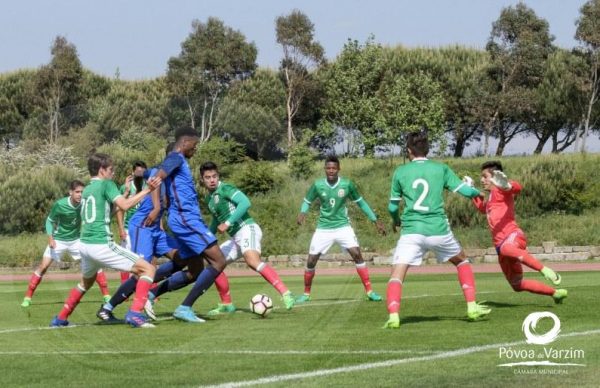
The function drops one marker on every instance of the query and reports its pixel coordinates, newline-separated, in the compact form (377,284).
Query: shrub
(255,177)
(301,161)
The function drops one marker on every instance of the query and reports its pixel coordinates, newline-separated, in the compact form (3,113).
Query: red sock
(72,301)
(102,283)
(466,280)
(124,276)
(33,283)
(394,294)
(269,274)
(222,284)
(521,254)
(363,272)
(309,274)
(534,287)
(141,293)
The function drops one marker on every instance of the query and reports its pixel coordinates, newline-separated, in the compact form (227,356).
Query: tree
(211,58)
(301,54)
(518,46)
(588,34)
(57,87)
(253,113)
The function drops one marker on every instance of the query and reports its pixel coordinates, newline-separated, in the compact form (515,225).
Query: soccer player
(97,247)
(149,241)
(196,242)
(63,225)
(509,239)
(229,209)
(334,225)
(420,184)
(133,184)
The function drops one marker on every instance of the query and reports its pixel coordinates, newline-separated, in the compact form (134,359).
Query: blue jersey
(146,206)
(180,187)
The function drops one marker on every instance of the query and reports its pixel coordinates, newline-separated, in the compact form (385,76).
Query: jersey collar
(69,202)
(419,159)
(336,183)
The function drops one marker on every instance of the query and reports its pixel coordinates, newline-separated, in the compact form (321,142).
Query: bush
(255,177)
(301,161)
(124,157)
(27,196)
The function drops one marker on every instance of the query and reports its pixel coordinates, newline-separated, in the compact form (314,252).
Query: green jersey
(64,220)
(333,211)
(223,203)
(421,185)
(133,209)
(97,204)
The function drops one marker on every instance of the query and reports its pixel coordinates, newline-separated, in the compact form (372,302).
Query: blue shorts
(150,242)
(192,235)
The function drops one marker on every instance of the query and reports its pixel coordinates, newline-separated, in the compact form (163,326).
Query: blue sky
(139,36)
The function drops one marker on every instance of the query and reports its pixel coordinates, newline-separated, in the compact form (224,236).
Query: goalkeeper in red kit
(509,239)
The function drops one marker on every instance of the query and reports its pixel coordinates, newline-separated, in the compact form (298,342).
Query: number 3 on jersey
(418,204)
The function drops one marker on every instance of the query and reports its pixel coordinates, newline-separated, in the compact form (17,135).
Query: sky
(137,37)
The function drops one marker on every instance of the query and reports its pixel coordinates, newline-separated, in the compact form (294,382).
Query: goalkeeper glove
(500,180)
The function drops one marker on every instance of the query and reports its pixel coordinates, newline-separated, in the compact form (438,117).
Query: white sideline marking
(198,352)
(381,364)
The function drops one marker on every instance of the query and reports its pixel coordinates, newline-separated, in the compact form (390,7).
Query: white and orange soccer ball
(261,304)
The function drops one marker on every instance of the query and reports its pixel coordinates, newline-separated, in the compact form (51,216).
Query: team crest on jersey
(341,193)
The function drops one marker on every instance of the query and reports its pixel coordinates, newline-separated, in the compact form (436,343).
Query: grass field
(335,340)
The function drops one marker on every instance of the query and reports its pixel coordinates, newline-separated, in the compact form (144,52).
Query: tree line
(366,98)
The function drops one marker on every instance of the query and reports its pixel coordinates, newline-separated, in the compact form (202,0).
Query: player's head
(101,165)
(138,168)
(75,190)
(186,140)
(209,172)
(332,167)
(487,170)
(170,147)
(417,144)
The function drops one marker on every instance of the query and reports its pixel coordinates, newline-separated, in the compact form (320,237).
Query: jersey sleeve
(516,187)
(51,219)
(396,191)
(479,204)
(456,185)
(353,193)
(241,201)
(311,195)
(171,163)
(111,192)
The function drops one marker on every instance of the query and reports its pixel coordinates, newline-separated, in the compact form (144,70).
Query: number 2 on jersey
(418,204)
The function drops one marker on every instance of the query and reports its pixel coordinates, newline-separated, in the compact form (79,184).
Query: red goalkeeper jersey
(500,211)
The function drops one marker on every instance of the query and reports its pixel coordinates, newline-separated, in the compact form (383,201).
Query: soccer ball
(261,304)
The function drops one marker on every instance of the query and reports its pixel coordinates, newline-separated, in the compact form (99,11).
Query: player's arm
(171,163)
(120,214)
(153,215)
(308,199)
(456,185)
(242,204)
(394,204)
(127,203)
(479,201)
(51,225)
(364,206)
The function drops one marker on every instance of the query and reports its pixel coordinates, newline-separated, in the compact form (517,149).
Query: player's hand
(300,219)
(395,227)
(154,183)
(380,227)
(123,234)
(468,181)
(51,242)
(222,228)
(500,180)
(151,218)
(128,181)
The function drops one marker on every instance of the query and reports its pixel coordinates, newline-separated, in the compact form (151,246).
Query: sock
(521,254)
(174,282)
(165,270)
(102,283)
(534,287)
(309,274)
(269,274)
(203,283)
(222,284)
(72,301)
(124,276)
(36,278)
(394,294)
(141,293)
(363,272)
(466,280)
(123,292)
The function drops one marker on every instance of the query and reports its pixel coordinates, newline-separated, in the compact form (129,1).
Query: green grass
(329,332)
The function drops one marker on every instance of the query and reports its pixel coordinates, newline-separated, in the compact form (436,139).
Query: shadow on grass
(419,319)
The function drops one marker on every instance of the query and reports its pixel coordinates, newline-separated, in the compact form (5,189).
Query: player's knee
(516,284)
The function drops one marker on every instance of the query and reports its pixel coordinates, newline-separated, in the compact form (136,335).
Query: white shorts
(412,247)
(63,247)
(97,256)
(246,239)
(323,239)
